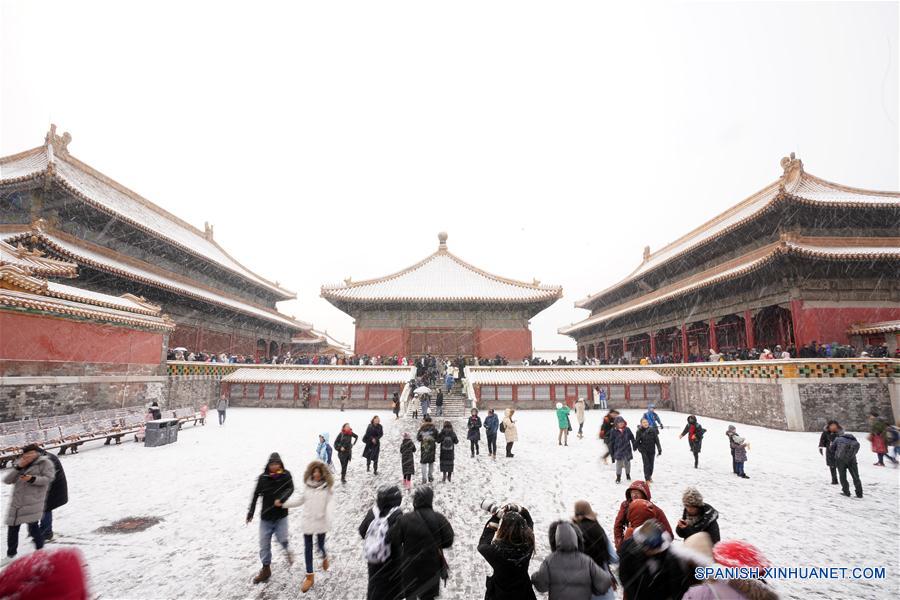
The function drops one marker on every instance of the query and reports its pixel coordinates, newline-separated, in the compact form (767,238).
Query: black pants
(509,448)
(842,468)
(834,477)
(492,444)
(12,538)
(697,458)
(345,460)
(473,447)
(221,417)
(648,458)
(369,462)
(734,467)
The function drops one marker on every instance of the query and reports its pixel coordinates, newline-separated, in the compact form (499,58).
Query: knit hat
(735,553)
(45,574)
(405,435)
(692,497)
(558,405)
(700,543)
(732,428)
(652,537)
(583,509)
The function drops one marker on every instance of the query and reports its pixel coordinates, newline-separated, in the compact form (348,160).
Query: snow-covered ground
(201,487)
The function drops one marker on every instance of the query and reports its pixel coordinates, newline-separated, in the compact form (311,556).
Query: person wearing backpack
(510,431)
(845,447)
(343,443)
(447,440)
(474,432)
(567,573)
(316,498)
(427,438)
(382,546)
(372,441)
(491,425)
(424,535)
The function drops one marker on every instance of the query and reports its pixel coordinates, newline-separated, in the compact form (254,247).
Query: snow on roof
(442,276)
(844,249)
(795,184)
(110,196)
(35,263)
(560,375)
(99,258)
(870,328)
(322,374)
(73,302)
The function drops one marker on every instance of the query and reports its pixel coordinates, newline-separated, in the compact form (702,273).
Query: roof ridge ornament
(208,231)
(442,240)
(59,143)
(793,171)
(646,253)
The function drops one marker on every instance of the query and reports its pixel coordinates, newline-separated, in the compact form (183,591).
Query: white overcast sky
(550,139)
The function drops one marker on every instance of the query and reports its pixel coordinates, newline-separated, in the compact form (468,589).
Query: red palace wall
(40,338)
(384,342)
(514,344)
(826,325)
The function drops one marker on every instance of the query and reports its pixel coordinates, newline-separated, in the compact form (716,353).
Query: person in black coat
(424,534)
(275,485)
(649,569)
(155,411)
(597,544)
(384,578)
(57,495)
(474,432)
(647,443)
(343,444)
(447,441)
(372,441)
(697,516)
(507,544)
(621,441)
(695,432)
(831,431)
(439,403)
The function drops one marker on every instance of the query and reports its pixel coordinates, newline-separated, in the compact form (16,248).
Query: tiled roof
(445,277)
(35,263)
(99,258)
(561,375)
(96,310)
(810,247)
(870,328)
(109,196)
(795,185)
(322,374)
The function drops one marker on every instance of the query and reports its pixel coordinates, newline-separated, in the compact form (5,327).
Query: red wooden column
(684,343)
(748,330)
(799,325)
(624,346)
(652,343)
(713,340)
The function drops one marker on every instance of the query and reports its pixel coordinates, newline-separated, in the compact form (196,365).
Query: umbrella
(422,389)
(179,349)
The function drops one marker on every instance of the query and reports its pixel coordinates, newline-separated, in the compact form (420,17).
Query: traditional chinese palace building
(444,306)
(802,260)
(53,203)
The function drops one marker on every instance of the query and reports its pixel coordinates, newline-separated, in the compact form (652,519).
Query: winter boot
(325,564)
(846,494)
(263,575)
(289,556)
(307,583)
(618,479)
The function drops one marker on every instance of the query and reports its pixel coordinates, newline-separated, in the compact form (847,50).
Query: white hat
(558,405)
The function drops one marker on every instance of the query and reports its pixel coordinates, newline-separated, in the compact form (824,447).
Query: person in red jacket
(641,511)
(638,490)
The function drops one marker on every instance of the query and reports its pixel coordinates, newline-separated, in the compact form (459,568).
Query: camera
(497,508)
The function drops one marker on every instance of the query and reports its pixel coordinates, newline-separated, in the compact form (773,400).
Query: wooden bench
(185,414)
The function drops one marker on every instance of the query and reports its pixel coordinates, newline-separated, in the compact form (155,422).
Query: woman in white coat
(510,431)
(316,497)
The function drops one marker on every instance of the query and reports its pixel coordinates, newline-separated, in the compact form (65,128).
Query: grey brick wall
(44,400)
(738,401)
(849,402)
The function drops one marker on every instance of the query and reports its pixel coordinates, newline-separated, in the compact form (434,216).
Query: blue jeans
(266,529)
(46,524)
(308,549)
(221,417)
(740,468)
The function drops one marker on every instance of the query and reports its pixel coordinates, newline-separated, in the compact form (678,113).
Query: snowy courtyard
(200,488)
